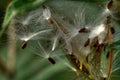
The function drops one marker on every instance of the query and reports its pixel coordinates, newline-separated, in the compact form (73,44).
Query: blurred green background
(25,65)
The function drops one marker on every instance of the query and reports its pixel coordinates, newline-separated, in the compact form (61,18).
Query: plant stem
(110,53)
(11,50)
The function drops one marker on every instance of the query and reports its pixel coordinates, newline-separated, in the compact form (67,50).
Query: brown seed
(96,42)
(49,21)
(87,42)
(107,56)
(84,30)
(108,20)
(24,45)
(110,4)
(44,6)
(104,78)
(84,69)
(52,60)
(74,60)
(99,48)
(112,30)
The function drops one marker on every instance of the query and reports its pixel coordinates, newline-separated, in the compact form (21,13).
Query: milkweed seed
(84,30)
(24,45)
(87,42)
(110,4)
(112,30)
(52,60)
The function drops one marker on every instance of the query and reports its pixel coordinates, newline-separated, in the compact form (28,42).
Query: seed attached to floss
(74,60)
(104,78)
(107,55)
(84,30)
(99,47)
(51,60)
(84,69)
(87,42)
(110,4)
(47,14)
(49,21)
(112,30)
(96,42)
(24,44)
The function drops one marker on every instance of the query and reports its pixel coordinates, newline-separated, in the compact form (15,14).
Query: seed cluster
(82,40)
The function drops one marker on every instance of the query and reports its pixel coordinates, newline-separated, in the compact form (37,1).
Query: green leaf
(116,66)
(114,46)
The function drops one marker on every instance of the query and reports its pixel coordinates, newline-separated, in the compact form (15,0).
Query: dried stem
(110,53)
(11,49)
